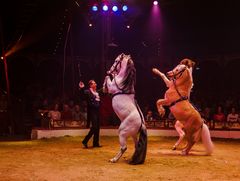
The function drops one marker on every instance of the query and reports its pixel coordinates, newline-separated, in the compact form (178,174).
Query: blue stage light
(114,8)
(124,8)
(94,8)
(105,8)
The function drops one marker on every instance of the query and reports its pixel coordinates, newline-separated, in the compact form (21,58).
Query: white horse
(120,83)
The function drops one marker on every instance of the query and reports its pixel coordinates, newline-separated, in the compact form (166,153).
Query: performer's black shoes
(94,146)
(97,146)
(84,144)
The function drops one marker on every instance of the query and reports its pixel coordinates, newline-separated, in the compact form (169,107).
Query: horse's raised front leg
(160,107)
(163,76)
(105,84)
(123,148)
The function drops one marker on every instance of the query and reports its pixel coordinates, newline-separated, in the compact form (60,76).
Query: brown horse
(179,82)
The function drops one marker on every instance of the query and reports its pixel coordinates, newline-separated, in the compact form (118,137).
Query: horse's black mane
(129,79)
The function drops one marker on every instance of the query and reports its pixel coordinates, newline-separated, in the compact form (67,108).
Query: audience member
(76,114)
(55,116)
(219,116)
(206,115)
(232,117)
(149,116)
(71,105)
(84,110)
(66,114)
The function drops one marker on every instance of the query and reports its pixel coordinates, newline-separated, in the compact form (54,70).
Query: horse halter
(115,65)
(117,62)
(182,98)
(177,75)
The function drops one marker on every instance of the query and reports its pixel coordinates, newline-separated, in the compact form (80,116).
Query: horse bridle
(179,74)
(118,62)
(115,68)
(119,88)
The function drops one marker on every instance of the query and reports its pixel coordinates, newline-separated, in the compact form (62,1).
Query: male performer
(93,104)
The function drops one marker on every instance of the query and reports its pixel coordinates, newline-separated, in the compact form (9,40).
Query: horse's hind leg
(123,148)
(192,138)
(179,128)
(194,135)
(118,156)
(186,150)
(181,136)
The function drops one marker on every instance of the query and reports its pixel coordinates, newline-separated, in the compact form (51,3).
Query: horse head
(179,70)
(189,63)
(182,76)
(124,71)
(120,64)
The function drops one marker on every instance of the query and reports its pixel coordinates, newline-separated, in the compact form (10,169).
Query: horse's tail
(141,148)
(206,139)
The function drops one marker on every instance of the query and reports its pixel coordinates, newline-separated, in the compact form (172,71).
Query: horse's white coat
(123,104)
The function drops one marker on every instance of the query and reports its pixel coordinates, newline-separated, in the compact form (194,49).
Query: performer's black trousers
(94,130)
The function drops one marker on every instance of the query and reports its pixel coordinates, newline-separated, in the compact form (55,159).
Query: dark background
(205,31)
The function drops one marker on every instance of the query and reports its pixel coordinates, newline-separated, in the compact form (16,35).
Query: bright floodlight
(105,8)
(114,8)
(155,3)
(94,8)
(124,8)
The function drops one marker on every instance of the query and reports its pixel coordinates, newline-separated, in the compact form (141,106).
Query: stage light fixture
(124,8)
(155,3)
(105,7)
(94,8)
(114,8)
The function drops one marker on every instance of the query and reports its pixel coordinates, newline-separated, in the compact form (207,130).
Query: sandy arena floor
(64,159)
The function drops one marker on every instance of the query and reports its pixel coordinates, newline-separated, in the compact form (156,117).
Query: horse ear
(193,63)
(189,63)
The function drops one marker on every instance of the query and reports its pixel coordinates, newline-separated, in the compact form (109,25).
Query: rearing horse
(120,82)
(179,82)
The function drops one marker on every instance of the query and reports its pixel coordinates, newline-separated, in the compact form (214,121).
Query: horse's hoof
(174,148)
(184,152)
(136,162)
(113,160)
(130,162)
